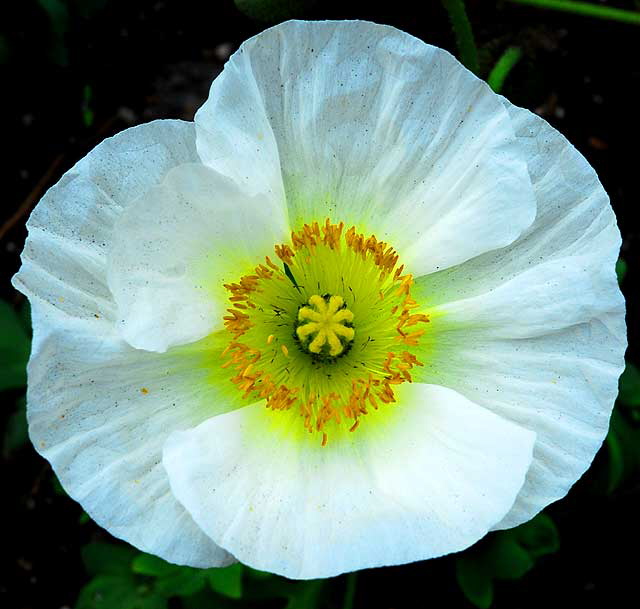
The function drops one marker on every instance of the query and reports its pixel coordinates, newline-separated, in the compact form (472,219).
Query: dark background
(112,64)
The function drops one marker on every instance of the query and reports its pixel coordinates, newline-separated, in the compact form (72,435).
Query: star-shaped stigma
(328,320)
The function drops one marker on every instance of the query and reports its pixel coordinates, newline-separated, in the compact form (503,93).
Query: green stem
(350,593)
(463,33)
(585,8)
(503,67)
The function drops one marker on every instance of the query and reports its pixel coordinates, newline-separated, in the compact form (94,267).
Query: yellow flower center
(293,341)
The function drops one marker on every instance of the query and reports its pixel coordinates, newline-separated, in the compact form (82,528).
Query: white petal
(536,331)
(70,230)
(425,479)
(175,247)
(100,411)
(78,364)
(374,127)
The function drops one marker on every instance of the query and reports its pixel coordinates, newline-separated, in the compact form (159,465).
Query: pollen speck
(285,350)
(144,391)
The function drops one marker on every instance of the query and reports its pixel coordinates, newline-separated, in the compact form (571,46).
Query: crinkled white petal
(175,247)
(535,331)
(373,127)
(429,478)
(75,349)
(71,229)
(100,411)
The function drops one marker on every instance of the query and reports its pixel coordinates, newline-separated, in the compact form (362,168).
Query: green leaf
(504,555)
(474,581)
(118,592)
(630,386)
(539,536)
(15,346)
(16,434)
(463,33)
(172,580)
(623,443)
(88,8)
(182,581)
(615,460)
(621,269)
(87,112)
(305,594)
(102,558)
(588,9)
(260,575)
(508,559)
(299,594)
(208,599)
(58,13)
(227,581)
(24,313)
(148,564)
(503,68)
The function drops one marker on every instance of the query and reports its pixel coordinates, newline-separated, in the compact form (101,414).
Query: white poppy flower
(360,313)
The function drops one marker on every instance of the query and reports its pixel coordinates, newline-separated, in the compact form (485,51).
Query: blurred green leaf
(14,349)
(171,580)
(616,461)
(58,13)
(101,558)
(274,10)
(630,386)
(182,581)
(88,8)
(621,269)
(588,9)
(255,574)
(227,581)
(16,433)
(539,536)
(87,112)
(623,450)
(474,581)
(464,34)
(118,592)
(298,594)
(24,313)
(148,564)
(350,590)
(509,560)
(208,599)
(57,487)
(504,555)
(305,594)
(503,67)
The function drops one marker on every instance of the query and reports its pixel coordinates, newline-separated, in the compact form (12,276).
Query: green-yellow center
(329,332)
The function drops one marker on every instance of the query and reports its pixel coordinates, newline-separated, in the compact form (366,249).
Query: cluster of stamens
(293,344)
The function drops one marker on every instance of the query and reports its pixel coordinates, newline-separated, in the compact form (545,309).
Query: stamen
(331,379)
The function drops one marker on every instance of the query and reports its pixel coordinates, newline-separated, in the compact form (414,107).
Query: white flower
(432,353)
